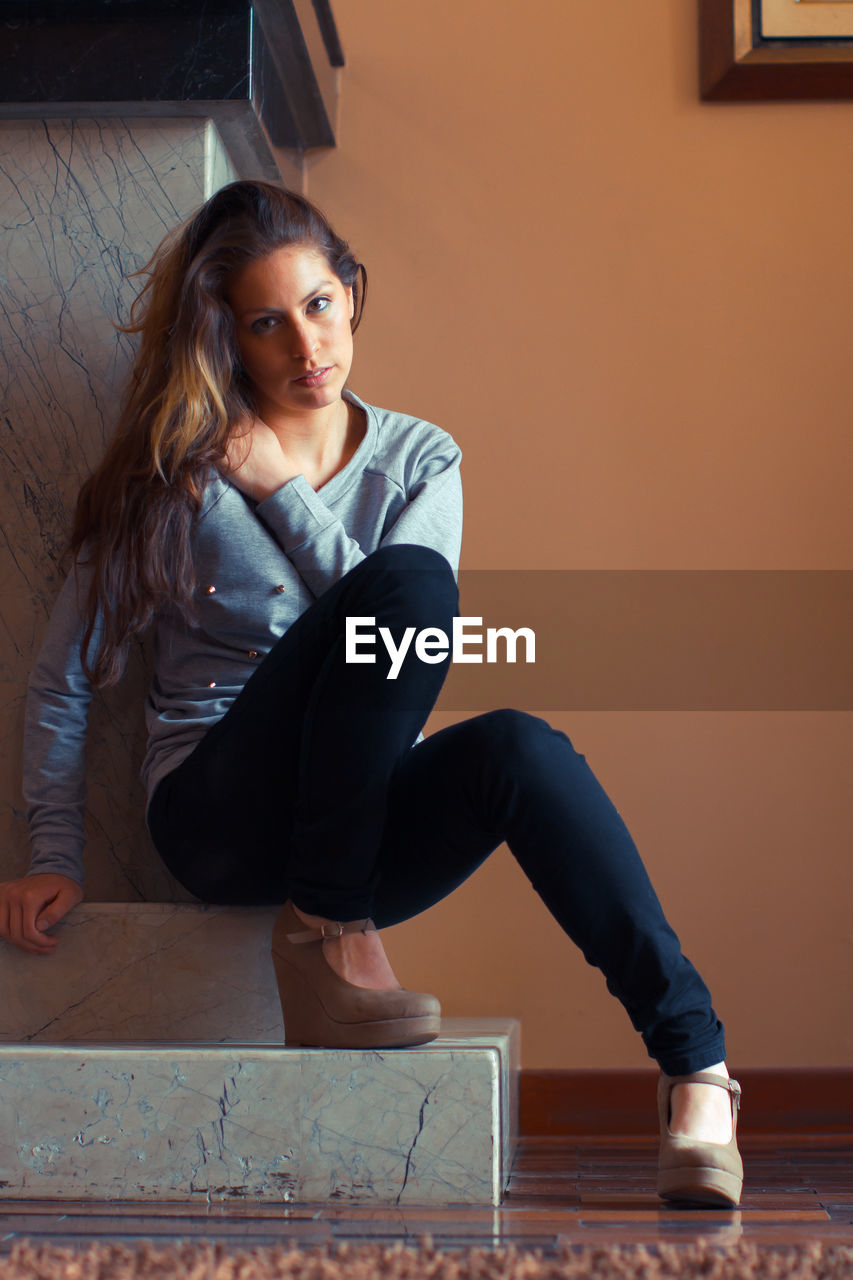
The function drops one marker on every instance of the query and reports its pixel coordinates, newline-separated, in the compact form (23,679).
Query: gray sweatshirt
(258,567)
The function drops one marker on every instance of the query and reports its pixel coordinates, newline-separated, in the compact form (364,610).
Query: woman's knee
(409,555)
(521,740)
(422,573)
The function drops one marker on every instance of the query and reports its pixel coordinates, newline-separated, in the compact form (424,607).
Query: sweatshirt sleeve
(316,542)
(55,730)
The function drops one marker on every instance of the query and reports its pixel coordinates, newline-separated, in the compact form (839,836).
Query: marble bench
(118,1083)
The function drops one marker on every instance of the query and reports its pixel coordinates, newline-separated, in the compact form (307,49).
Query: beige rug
(208,1261)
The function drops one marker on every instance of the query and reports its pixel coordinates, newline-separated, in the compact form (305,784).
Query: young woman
(249,504)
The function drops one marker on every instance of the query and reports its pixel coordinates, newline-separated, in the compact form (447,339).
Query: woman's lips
(314,379)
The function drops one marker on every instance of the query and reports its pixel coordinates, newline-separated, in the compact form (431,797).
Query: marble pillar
(83,204)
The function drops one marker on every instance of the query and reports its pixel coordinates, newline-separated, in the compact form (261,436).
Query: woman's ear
(351,301)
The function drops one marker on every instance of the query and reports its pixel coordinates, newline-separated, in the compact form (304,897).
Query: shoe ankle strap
(708,1077)
(334,929)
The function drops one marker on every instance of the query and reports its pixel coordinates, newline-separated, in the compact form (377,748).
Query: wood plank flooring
(563,1191)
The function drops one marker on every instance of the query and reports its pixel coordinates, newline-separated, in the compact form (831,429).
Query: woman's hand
(32,904)
(255,462)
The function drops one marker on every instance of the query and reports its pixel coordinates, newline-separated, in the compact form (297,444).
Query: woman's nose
(303,341)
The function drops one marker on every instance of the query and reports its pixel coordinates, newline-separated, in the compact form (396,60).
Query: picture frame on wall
(766,50)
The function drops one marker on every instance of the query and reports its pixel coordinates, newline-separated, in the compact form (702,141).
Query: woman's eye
(319,304)
(263,324)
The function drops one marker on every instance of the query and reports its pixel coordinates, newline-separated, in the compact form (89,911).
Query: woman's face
(292,316)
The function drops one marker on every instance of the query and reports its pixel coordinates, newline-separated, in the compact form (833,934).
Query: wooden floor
(562,1191)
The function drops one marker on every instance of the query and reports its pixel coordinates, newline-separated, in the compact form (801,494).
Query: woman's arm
(317,543)
(58,699)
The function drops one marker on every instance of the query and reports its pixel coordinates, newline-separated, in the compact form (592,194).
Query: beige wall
(631,310)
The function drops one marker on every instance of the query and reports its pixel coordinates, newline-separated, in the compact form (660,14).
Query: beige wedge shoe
(322,1009)
(693,1172)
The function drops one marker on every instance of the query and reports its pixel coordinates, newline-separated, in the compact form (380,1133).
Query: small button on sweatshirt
(258,567)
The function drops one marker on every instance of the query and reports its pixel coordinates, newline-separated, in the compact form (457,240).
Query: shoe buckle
(735,1091)
(333,930)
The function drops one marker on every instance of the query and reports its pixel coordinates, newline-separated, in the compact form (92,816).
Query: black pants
(309,788)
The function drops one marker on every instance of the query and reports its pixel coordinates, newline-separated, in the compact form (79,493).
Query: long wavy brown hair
(185,394)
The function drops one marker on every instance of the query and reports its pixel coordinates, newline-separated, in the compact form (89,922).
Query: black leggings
(309,787)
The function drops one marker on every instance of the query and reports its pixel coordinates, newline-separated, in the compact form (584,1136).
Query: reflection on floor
(563,1191)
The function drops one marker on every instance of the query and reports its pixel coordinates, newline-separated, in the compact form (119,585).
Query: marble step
(146,971)
(144,1059)
(435,1124)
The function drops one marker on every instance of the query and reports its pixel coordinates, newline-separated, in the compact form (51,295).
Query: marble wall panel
(82,204)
